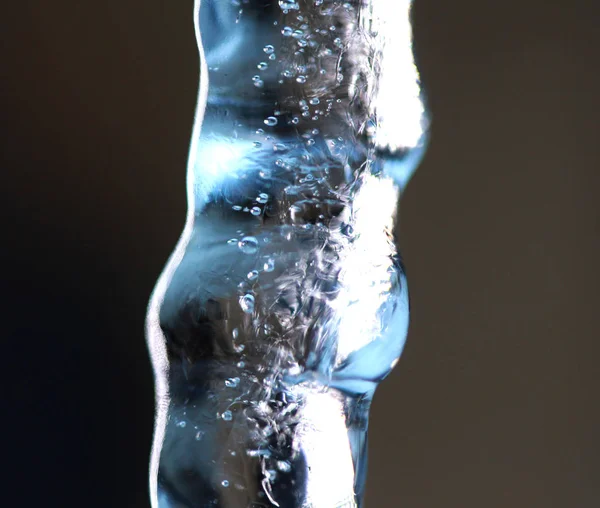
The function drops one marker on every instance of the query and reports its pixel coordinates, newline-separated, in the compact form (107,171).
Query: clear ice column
(285,302)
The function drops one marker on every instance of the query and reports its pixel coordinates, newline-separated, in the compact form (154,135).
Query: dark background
(495,400)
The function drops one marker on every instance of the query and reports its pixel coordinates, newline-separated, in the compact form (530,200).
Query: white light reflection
(216,159)
(322,435)
(368,269)
(397,103)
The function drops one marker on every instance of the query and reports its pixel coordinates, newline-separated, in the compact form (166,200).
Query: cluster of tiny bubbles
(248,245)
(288,5)
(227,416)
(271,121)
(247,303)
(232,382)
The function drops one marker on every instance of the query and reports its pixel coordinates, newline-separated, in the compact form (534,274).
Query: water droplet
(310,142)
(287,31)
(233,240)
(227,416)
(253,275)
(240,348)
(259,84)
(248,245)
(199,435)
(273,57)
(260,131)
(262,66)
(288,73)
(301,79)
(306,113)
(314,132)
(241,365)
(268,49)
(256,211)
(247,303)
(302,43)
(235,333)
(257,144)
(181,424)
(269,265)
(232,382)
(297,34)
(237,208)
(225,483)
(314,101)
(271,121)
(295,120)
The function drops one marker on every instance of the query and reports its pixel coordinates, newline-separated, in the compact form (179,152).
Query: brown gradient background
(494,403)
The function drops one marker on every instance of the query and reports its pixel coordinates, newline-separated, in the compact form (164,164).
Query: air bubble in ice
(284,466)
(247,303)
(248,245)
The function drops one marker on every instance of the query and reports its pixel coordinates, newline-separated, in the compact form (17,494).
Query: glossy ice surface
(285,302)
